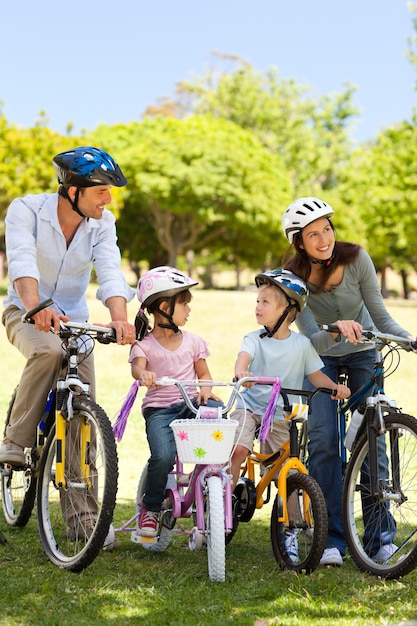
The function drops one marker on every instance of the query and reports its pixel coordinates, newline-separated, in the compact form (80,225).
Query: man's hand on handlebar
(125,332)
(48,319)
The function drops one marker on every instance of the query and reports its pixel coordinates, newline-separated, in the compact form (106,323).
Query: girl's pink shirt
(177,364)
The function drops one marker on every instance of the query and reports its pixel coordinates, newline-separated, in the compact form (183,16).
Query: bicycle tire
(165,533)
(401,429)
(18,487)
(309,524)
(214,518)
(73,541)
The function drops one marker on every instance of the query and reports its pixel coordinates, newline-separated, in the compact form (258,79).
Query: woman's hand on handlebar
(351,330)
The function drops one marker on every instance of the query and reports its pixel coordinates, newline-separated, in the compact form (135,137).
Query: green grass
(131,586)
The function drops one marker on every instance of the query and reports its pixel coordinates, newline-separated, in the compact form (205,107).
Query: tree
(310,135)
(198,182)
(380,186)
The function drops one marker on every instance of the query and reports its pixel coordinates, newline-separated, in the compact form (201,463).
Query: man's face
(92,200)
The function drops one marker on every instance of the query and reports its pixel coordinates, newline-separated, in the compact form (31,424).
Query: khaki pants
(44,356)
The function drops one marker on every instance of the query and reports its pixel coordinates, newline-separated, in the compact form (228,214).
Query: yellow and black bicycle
(72,468)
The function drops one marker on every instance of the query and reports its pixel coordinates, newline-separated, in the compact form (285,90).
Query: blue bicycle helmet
(292,285)
(87,166)
(294,289)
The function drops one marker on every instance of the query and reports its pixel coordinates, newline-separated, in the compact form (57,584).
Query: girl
(166,351)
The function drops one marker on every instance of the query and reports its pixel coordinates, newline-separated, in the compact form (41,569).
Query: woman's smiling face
(318,239)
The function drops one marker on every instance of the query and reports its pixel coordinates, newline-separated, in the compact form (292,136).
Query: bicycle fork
(377,456)
(63,418)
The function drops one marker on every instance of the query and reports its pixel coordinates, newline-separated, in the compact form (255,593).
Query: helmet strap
(74,203)
(325,262)
(271,333)
(168,316)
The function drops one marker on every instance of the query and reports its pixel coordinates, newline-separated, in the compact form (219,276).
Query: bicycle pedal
(14,468)
(136,538)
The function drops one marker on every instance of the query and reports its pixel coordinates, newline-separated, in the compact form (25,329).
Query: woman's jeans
(324,462)
(162,447)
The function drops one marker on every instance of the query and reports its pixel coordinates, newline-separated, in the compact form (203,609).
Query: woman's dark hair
(344,253)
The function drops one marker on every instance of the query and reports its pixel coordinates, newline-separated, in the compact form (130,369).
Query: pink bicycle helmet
(302,212)
(162,281)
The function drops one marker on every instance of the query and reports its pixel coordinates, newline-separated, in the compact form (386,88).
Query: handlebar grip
(330,328)
(27,317)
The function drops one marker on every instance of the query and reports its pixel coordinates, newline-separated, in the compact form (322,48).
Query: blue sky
(106,61)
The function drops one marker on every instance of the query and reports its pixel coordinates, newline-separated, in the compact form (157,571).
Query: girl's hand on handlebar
(342,392)
(148,378)
(206,394)
(350,329)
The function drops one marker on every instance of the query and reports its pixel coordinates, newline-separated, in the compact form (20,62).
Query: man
(52,243)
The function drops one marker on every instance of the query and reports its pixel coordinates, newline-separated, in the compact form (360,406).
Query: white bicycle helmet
(301,213)
(162,281)
(292,285)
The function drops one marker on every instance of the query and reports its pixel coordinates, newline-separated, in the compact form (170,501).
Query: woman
(344,290)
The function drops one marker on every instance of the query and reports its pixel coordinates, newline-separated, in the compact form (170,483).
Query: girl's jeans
(162,447)
(324,462)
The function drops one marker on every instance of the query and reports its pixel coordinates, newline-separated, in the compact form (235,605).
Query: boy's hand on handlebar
(48,319)
(342,393)
(351,330)
(239,375)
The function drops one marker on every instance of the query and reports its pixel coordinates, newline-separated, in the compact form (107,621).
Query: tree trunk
(384,289)
(405,284)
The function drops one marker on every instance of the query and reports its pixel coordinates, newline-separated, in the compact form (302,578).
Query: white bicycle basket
(204,441)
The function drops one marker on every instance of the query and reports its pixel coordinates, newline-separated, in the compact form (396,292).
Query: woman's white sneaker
(331,556)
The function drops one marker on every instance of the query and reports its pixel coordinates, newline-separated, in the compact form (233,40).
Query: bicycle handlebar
(371,335)
(257,380)
(68,329)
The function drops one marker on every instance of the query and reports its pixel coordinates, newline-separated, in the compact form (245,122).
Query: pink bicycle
(204,491)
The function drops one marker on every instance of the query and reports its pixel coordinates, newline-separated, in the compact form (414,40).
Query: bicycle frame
(282,461)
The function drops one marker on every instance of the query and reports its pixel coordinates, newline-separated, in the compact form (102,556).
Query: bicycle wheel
(391,517)
(165,529)
(298,545)
(214,517)
(18,487)
(74,521)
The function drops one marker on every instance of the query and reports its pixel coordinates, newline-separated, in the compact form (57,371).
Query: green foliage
(310,134)
(381,185)
(198,182)
(26,160)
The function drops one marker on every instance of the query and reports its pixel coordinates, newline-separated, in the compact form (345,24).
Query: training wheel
(197,539)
